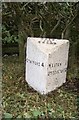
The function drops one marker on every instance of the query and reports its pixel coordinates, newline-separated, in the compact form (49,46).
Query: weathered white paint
(46,63)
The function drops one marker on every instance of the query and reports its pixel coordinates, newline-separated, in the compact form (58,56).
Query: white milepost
(46,63)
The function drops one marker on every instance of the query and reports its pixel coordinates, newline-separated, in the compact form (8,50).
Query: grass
(21,101)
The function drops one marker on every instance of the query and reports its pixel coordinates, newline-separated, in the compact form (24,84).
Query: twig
(55,26)
(68,25)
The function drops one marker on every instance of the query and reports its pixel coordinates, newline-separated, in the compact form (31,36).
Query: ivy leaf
(7,115)
(36,113)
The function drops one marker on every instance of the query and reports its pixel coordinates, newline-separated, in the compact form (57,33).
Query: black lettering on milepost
(54,65)
(34,62)
(60,71)
(47,41)
(42,64)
